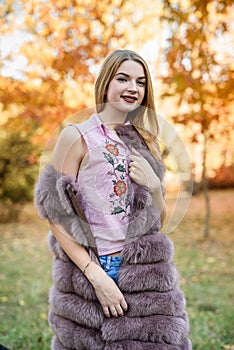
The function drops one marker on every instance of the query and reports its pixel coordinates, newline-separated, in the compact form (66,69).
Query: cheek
(143,95)
(110,91)
(109,96)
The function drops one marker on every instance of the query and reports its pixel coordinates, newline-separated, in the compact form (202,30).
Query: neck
(112,117)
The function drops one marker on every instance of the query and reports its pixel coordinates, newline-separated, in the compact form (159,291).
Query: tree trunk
(205,188)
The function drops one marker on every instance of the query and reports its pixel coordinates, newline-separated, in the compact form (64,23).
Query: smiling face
(127,88)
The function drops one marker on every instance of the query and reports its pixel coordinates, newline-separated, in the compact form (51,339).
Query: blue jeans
(111,265)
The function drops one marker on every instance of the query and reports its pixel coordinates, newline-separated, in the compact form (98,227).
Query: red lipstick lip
(132,97)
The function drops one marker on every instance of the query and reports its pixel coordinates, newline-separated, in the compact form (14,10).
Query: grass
(25,278)
(206,273)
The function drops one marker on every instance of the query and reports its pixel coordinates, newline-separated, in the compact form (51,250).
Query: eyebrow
(127,75)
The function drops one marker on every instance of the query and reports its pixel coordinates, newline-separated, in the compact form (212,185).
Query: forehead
(131,68)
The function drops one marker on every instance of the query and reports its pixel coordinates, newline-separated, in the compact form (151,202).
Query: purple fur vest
(156,316)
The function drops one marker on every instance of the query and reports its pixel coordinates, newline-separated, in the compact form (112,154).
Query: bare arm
(68,154)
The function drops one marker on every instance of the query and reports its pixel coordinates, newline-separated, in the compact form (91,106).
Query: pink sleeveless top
(104,185)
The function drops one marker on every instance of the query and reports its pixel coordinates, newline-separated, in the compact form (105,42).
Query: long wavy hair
(144,117)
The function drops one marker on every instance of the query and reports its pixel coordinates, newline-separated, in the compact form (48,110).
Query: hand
(107,292)
(141,171)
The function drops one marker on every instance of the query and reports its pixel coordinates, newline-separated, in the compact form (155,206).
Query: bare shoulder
(69,134)
(69,150)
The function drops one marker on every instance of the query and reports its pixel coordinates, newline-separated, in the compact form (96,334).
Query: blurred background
(50,54)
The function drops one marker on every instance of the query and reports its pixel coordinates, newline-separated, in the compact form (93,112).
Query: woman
(126,297)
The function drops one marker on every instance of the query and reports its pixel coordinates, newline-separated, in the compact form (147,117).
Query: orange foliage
(64,39)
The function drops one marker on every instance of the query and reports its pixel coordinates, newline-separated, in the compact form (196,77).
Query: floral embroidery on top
(120,188)
(119,198)
(112,149)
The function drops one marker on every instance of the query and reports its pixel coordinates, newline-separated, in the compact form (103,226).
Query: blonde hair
(144,117)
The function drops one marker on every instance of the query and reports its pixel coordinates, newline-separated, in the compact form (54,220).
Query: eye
(141,83)
(121,79)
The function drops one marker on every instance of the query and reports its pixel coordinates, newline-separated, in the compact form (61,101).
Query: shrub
(18,171)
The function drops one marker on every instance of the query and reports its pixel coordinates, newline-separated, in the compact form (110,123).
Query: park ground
(206,268)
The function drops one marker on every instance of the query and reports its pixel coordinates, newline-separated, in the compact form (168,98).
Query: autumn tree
(61,44)
(64,41)
(199,73)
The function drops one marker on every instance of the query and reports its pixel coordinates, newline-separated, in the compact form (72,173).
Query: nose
(132,86)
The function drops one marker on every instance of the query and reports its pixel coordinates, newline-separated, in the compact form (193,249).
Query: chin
(127,108)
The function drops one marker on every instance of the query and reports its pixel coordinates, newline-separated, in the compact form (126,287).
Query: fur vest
(156,316)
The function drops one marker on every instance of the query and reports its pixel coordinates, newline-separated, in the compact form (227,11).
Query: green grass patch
(207,272)
(25,278)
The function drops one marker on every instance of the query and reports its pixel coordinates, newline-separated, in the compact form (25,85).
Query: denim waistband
(110,260)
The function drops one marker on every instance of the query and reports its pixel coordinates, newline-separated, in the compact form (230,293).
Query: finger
(134,151)
(113,311)
(133,157)
(132,172)
(124,305)
(119,310)
(132,165)
(106,311)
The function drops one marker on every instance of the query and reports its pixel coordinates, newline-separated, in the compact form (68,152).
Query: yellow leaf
(194,278)
(4,299)
(21,303)
(43,316)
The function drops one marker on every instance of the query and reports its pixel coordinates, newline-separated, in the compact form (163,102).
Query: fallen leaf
(4,299)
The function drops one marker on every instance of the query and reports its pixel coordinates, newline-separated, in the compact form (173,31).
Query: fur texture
(156,317)
(138,345)
(155,303)
(71,335)
(155,329)
(160,277)
(52,203)
(150,248)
